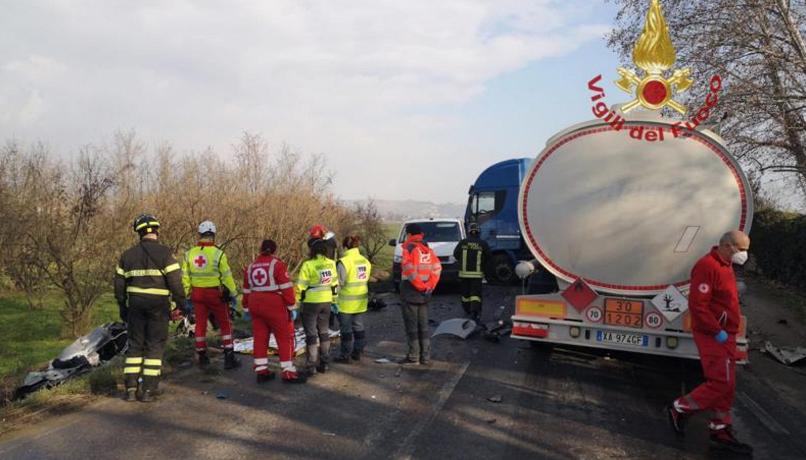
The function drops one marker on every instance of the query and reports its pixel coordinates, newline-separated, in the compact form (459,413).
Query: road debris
(495,398)
(383,361)
(222,395)
(459,327)
(497,329)
(92,350)
(786,355)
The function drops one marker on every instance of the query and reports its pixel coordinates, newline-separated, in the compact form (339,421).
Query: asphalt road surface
(545,404)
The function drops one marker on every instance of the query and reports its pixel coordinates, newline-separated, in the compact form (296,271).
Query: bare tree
(757,47)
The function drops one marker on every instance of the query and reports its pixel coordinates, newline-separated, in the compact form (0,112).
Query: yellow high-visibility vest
(317,278)
(354,292)
(206,266)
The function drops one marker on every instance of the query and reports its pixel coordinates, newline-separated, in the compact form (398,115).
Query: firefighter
(207,279)
(146,277)
(268,296)
(715,318)
(471,253)
(317,289)
(354,271)
(420,274)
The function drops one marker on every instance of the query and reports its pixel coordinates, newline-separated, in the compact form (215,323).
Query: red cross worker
(268,295)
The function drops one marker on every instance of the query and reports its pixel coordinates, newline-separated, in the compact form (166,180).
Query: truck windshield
(438,232)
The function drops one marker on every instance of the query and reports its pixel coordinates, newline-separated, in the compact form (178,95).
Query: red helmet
(317,231)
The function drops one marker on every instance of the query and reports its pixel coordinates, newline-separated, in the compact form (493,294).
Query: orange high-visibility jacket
(420,265)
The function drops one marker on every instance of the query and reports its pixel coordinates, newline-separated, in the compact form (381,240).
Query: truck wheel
(503,271)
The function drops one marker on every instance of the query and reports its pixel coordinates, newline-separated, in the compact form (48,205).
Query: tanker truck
(620,220)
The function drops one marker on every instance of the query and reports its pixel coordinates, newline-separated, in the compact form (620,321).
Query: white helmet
(206,227)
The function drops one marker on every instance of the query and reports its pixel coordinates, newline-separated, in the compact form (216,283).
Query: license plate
(638,340)
(624,312)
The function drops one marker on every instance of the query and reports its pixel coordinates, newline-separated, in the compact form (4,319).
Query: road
(553,404)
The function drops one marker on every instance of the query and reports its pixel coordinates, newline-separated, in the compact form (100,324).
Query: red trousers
(719,368)
(271,319)
(206,301)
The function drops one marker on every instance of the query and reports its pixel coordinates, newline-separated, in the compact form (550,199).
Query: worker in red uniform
(268,295)
(715,317)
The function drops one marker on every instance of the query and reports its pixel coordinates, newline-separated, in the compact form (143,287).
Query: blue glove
(294,314)
(722,337)
(334,309)
(188,307)
(247,316)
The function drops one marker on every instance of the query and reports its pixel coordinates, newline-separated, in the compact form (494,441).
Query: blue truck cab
(493,204)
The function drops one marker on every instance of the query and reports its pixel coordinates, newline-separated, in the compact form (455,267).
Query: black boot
(263,378)
(322,367)
(204,360)
(230,360)
(356,356)
(723,439)
(131,382)
(342,359)
(149,389)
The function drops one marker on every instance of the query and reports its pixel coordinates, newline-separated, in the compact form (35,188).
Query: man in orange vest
(420,274)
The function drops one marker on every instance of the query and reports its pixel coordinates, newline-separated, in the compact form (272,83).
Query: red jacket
(266,281)
(714,298)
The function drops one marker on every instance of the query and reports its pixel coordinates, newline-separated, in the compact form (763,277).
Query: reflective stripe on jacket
(419,265)
(318,281)
(207,266)
(471,255)
(148,269)
(267,279)
(354,289)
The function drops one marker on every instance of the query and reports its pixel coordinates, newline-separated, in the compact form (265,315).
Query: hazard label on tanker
(579,294)
(671,303)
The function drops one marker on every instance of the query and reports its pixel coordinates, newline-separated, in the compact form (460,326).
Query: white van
(442,235)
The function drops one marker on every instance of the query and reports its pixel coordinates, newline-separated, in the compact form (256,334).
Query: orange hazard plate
(624,312)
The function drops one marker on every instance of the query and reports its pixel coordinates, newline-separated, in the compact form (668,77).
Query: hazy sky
(407,99)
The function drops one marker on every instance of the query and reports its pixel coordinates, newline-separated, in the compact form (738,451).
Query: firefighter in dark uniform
(147,276)
(471,254)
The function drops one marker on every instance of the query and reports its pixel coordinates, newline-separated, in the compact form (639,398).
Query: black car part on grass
(91,350)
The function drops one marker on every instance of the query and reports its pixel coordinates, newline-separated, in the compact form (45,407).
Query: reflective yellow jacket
(205,265)
(318,281)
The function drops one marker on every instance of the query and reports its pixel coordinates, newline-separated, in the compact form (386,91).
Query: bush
(779,246)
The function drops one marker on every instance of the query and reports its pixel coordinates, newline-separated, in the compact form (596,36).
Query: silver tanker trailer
(619,221)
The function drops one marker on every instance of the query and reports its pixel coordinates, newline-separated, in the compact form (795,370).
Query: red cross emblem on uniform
(200,261)
(259,276)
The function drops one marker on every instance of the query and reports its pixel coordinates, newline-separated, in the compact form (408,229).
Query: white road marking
(766,419)
(406,449)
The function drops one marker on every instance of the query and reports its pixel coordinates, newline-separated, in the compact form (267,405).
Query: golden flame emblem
(654,53)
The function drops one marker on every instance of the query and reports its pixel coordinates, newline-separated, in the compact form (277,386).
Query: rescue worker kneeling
(207,279)
(354,271)
(316,288)
(146,276)
(268,296)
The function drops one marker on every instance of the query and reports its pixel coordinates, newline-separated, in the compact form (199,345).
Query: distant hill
(400,210)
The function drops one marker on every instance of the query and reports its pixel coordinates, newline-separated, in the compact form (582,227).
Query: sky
(405,99)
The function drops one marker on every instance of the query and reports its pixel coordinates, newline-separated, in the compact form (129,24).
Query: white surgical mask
(739,258)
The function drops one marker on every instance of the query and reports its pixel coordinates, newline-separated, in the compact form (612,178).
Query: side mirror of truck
(393,242)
